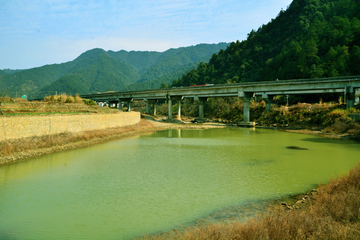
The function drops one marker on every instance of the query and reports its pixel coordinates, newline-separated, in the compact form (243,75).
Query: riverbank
(331,211)
(27,148)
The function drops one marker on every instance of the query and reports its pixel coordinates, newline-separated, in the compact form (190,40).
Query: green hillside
(310,39)
(140,60)
(98,70)
(99,73)
(33,79)
(2,73)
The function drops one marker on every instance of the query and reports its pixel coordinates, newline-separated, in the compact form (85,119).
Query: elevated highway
(245,91)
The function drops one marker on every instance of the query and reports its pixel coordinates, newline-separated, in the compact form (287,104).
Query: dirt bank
(111,134)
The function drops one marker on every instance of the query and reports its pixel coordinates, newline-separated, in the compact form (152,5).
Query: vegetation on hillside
(2,73)
(55,104)
(98,70)
(310,39)
(330,117)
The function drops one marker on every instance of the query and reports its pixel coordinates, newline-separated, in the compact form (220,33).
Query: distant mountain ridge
(99,70)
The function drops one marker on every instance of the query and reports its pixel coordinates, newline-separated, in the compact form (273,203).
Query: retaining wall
(24,126)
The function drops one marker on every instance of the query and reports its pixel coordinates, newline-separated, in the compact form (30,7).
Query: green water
(156,182)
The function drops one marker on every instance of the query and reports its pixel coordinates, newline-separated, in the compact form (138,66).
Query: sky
(34,33)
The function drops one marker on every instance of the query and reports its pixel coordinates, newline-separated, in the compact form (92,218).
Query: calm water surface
(156,182)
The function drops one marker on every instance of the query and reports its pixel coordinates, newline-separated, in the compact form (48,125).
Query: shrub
(6,99)
(62,98)
(89,102)
(78,99)
(70,99)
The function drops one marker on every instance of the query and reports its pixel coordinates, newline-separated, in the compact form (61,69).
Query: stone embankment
(106,135)
(35,126)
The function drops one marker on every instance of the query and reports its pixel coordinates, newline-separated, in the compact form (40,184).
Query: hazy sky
(38,32)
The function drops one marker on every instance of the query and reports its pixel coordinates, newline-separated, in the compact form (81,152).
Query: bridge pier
(268,100)
(152,101)
(179,109)
(170,108)
(350,96)
(178,101)
(201,101)
(127,100)
(246,97)
(120,106)
(154,111)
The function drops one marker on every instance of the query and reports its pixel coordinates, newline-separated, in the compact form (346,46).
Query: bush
(89,102)
(78,99)
(6,99)
(70,99)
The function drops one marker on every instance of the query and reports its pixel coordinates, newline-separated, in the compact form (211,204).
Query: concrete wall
(29,126)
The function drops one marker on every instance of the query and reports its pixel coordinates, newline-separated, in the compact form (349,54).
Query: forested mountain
(33,79)
(9,71)
(310,39)
(2,73)
(99,70)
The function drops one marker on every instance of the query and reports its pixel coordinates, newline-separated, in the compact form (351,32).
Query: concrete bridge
(245,91)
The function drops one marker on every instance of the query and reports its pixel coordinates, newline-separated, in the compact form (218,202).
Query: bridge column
(147,106)
(201,101)
(178,100)
(169,108)
(155,102)
(120,106)
(128,101)
(350,97)
(246,97)
(179,109)
(267,99)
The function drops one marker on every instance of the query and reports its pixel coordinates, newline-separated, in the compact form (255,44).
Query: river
(160,181)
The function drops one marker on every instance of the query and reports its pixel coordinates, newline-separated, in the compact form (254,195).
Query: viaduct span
(245,91)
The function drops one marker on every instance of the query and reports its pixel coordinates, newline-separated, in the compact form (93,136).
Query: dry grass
(33,143)
(333,214)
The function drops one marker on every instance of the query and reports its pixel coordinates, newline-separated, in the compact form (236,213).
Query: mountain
(2,73)
(33,79)
(99,70)
(8,71)
(310,39)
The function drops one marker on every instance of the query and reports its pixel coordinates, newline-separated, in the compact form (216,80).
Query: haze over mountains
(99,70)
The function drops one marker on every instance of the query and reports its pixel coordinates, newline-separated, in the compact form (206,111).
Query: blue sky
(38,32)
